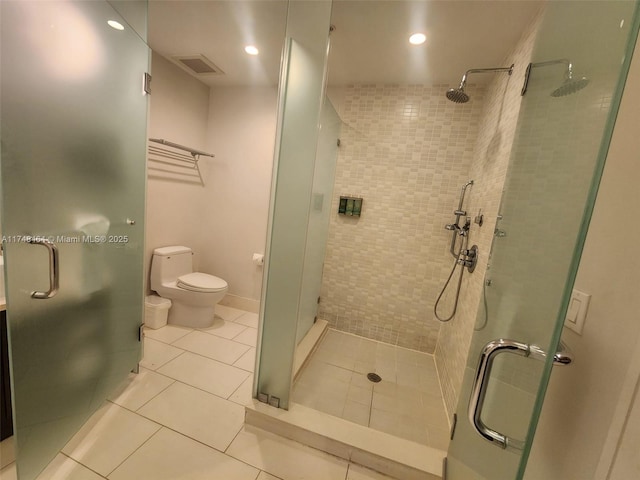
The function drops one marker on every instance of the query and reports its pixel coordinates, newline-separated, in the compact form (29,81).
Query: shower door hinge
(146,83)
(269,399)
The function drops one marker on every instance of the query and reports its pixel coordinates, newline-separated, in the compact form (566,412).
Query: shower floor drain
(374,377)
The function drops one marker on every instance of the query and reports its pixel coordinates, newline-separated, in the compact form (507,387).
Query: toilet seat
(201,282)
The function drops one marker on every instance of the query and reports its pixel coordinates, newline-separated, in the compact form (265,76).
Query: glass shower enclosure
(580,59)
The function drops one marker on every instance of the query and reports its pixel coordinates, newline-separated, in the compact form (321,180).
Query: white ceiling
(370,43)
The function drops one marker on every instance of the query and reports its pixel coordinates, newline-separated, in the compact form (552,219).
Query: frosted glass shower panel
(319,214)
(73,174)
(301,94)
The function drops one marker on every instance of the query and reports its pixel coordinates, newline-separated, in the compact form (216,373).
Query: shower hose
(463,245)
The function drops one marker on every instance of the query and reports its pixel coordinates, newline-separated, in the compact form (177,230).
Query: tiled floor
(406,403)
(182,417)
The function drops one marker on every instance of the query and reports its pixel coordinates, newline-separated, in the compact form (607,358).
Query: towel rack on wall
(194,157)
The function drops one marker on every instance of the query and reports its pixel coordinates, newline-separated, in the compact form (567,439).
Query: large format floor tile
(285,458)
(9,472)
(110,436)
(228,313)
(249,336)
(224,328)
(248,320)
(196,414)
(174,420)
(212,346)
(206,374)
(171,456)
(247,361)
(167,334)
(243,394)
(157,354)
(140,388)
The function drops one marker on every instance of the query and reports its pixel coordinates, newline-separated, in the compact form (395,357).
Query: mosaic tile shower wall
(406,150)
(488,169)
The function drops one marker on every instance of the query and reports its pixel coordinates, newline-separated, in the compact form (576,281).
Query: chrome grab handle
(491,350)
(54,271)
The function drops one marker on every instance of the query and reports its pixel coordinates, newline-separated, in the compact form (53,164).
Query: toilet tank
(168,263)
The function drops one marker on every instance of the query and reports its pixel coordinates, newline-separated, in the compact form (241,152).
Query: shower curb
(373,449)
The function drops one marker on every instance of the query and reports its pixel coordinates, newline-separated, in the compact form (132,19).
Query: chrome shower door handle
(54,270)
(476,402)
(490,351)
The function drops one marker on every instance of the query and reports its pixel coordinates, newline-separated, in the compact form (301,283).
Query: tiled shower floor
(407,402)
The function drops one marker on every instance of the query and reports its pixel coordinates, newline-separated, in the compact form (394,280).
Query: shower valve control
(469,258)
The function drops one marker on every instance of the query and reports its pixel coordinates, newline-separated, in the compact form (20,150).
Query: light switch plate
(577,311)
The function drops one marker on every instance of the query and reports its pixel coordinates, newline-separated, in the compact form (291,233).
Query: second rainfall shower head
(458,95)
(569,85)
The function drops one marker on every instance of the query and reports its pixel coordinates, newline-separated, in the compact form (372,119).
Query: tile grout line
(74,460)
(161,426)
(139,446)
(234,392)
(167,361)
(246,463)
(210,358)
(206,358)
(173,380)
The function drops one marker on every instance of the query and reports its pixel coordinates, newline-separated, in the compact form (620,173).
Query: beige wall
(219,208)
(179,110)
(582,399)
(241,132)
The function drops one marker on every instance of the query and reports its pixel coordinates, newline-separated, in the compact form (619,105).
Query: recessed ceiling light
(417,39)
(251,50)
(116,25)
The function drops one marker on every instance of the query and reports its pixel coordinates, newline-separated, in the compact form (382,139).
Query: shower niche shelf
(350,206)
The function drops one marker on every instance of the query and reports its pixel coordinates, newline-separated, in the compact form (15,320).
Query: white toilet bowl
(194,295)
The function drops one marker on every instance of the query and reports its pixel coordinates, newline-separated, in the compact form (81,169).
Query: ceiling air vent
(197,65)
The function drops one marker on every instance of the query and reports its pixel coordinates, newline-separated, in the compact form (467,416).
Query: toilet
(193,295)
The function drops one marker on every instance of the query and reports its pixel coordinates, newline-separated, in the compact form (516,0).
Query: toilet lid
(201,282)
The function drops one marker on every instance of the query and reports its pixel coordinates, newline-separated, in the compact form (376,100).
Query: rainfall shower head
(458,95)
(569,85)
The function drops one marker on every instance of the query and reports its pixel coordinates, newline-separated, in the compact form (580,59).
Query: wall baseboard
(241,303)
